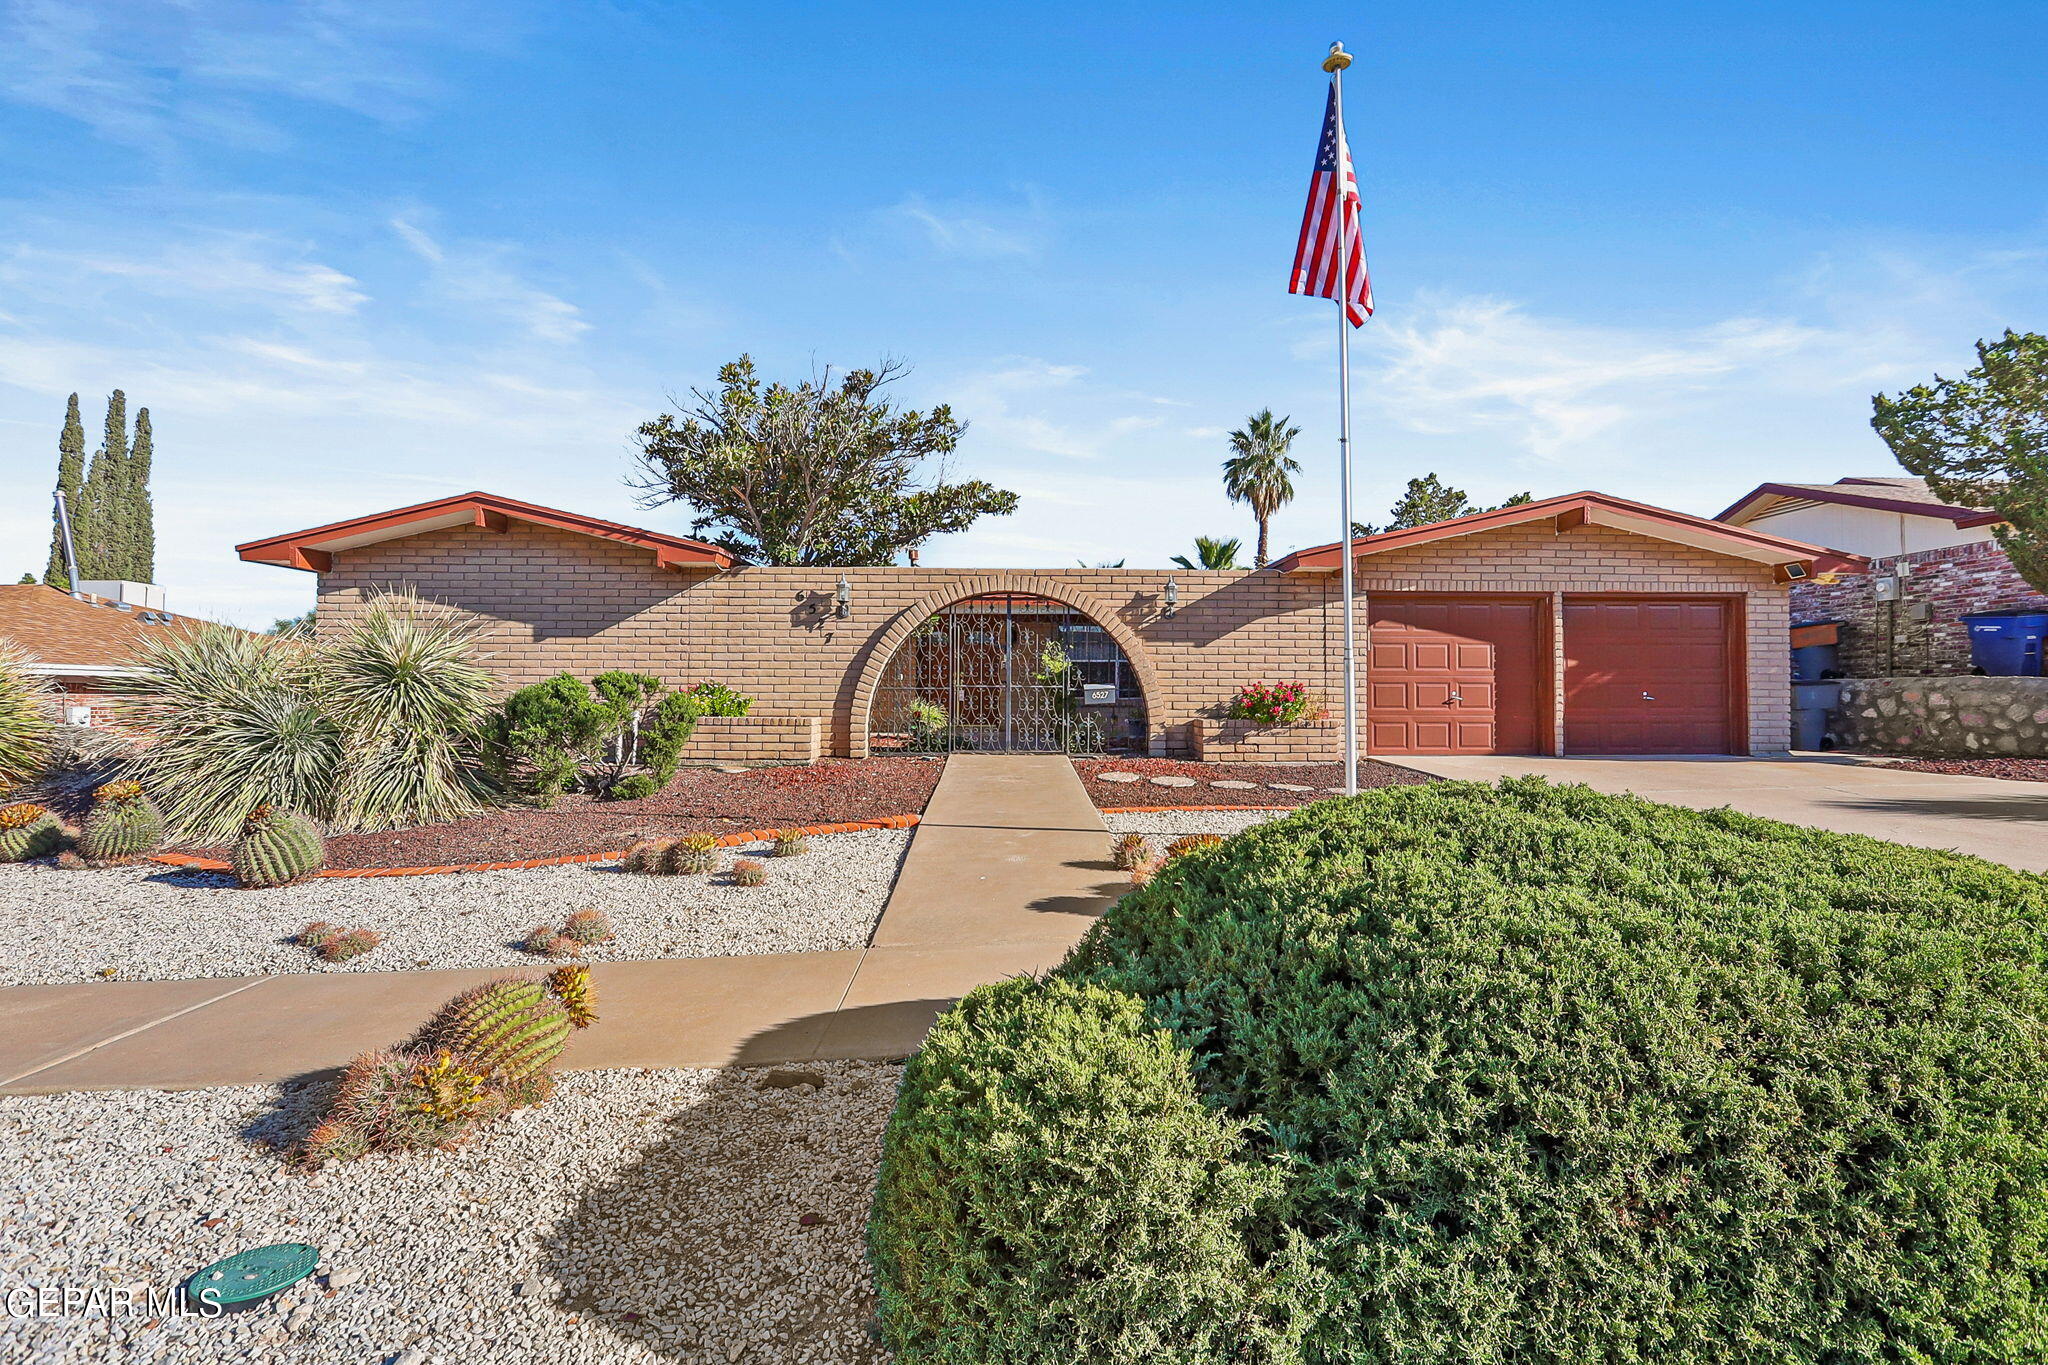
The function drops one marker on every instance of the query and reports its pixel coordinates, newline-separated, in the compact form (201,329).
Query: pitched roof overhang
(1573,510)
(314,549)
(1961,516)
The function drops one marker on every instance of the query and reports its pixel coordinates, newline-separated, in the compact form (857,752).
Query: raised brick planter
(1245,741)
(754,739)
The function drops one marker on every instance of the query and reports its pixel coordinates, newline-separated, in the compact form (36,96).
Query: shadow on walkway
(740,1234)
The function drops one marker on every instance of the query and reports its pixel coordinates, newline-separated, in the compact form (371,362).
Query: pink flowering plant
(1278,703)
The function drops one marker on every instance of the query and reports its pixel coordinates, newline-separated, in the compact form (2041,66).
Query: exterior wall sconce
(1172,598)
(842,599)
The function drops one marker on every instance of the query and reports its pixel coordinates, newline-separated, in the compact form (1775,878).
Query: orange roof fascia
(309,549)
(1570,510)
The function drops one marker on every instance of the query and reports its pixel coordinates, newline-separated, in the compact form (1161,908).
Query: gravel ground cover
(149,921)
(638,1216)
(1163,826)
(825,793)
(2011,769)
(1314,781)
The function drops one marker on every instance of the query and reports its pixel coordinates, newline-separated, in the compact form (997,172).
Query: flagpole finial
(1337,60)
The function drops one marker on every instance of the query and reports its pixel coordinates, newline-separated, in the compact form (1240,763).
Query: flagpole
(1335,64)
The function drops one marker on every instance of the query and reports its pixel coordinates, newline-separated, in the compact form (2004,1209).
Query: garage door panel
(1647,676)
(1453,675)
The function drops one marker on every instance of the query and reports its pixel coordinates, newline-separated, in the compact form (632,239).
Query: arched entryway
(1008,672)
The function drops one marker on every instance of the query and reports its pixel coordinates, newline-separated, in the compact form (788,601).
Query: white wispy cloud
(480,275)
(973,230)
(152,75)
(243,266)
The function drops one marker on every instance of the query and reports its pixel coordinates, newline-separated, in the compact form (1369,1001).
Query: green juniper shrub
(632,787)
(1553,1077)
(1053,1190)
(665,731)
(539,740)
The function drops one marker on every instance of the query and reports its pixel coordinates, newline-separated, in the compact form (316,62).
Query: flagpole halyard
(1335,64)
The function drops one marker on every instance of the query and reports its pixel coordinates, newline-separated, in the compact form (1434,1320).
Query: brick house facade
(560,596)
(1921,633)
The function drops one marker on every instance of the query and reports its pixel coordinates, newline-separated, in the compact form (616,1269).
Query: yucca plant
(233,726)
(28,706)
(406,686)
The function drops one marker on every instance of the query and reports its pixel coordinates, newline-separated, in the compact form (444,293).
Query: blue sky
(355,255)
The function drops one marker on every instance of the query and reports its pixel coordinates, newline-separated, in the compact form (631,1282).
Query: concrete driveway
(2006,822)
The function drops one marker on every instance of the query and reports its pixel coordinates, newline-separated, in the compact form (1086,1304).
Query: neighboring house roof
(314,548)
(70,636)
(1572,510)
(1909,497)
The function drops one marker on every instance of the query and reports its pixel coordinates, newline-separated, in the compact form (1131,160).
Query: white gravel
(674,1195)
(1171,824)
(152,921)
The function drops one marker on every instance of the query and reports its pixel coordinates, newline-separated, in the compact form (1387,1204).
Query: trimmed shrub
(716,699)
(665,731)
(1053,1190)
(537,742)
(632,787)
(1558,1077)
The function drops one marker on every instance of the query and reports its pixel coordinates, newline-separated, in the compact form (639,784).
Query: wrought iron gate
(1008,673)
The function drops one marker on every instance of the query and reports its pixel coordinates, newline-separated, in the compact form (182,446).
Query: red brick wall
(560,601)
(1891,639)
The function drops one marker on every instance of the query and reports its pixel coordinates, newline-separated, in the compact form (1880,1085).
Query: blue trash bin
(2007,644)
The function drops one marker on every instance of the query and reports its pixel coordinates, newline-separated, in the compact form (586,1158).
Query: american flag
(1316,254)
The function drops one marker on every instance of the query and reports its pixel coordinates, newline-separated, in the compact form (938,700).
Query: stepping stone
(1118,777)
(1288,787)
(1171,781)
(1233,784)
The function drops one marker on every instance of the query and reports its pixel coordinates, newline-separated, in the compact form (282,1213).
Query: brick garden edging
(733,840)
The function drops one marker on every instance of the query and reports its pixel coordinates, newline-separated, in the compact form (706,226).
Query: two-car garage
(1479,674)
(1584,624)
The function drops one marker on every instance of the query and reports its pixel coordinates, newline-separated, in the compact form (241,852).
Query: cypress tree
(100,526)
(70,480)
(141,515)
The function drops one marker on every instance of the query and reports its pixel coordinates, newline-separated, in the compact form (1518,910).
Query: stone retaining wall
(1962,717)
(1246,741)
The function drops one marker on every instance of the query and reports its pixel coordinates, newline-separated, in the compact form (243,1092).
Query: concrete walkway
(2006,822)
(1008,868)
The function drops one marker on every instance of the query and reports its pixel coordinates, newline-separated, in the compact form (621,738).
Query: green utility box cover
(254,1274)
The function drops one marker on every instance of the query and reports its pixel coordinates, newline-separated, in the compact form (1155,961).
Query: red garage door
(1648,676)
(1454,675)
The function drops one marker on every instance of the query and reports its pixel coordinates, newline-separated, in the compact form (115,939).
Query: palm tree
(1211,553)
(1259,469)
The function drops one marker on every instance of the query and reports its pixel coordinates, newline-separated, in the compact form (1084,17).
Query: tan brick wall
(559,601)
(754,739)
(1244,741)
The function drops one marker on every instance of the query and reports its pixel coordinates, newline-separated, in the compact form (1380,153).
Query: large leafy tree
(1212,552)
(1982,441)
(811,473)
(1259,472)
(1427,501)
(70,482)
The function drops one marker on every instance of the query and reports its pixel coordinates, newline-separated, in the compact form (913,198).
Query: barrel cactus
(277,848)
(1131,852)
(124,824)
(571,986)
(692,853)
(508,1028)
(28,831)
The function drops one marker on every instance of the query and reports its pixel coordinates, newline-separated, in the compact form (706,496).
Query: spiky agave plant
(233,724)
(28,717)
(406,685)
(123,825)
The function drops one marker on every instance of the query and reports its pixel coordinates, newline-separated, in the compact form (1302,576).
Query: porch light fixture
(842,599)
(1172,598)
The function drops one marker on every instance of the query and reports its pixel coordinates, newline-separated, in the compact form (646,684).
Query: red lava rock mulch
(1317,775)
(2011,769)
(829,792)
